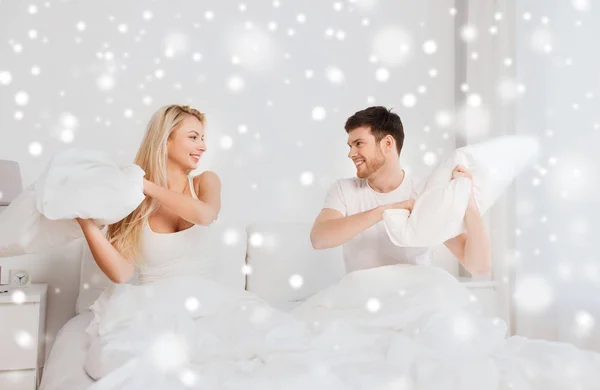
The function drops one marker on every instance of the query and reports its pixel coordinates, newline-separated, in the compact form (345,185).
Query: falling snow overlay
(277,80)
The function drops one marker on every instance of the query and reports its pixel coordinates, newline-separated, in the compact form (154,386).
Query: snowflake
(296,281)
(318,113)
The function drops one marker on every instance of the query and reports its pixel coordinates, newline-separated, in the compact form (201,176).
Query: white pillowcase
(24,230)
(439,210)
(434,216)
(86,184)
(284,267)
(76,183)
(230,250)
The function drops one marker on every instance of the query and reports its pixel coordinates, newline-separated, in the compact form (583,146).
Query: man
(353,211)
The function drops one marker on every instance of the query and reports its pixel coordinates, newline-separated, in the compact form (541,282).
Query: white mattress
(64,367)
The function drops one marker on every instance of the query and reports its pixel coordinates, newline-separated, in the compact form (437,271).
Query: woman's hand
(84,223)
(80,221)
(116,267)
(148,186)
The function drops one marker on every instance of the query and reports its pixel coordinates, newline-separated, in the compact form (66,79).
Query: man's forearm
(335,232)
(478,252)
(192,210)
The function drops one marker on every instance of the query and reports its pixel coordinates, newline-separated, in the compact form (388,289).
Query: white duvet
(398,327)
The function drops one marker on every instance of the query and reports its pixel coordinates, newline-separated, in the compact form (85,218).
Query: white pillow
(284,267)
(434,216)
(76,183)
(439,210)
(230,253)
(86,184)
(24,230)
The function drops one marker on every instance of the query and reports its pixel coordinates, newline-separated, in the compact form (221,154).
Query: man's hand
(461,171)
(472,248)
(405,204)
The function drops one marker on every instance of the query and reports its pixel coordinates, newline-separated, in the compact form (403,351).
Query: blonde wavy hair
(126,234)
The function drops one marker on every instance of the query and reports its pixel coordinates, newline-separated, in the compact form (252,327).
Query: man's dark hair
(382,122)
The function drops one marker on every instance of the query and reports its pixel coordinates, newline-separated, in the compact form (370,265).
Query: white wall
(282,140)
(484,40)
(557,209)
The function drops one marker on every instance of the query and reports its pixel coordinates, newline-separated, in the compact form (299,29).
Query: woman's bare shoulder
(207,179)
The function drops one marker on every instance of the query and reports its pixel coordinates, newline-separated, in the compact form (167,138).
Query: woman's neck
(177,179)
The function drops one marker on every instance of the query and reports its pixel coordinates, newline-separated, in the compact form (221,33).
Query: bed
(265,270)
(64,366)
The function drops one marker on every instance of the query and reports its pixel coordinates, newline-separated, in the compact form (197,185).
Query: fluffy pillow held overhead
(439,209)
(76,183)
(86,184)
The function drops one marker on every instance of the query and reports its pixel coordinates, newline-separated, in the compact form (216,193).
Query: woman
(176,313)
(171,148)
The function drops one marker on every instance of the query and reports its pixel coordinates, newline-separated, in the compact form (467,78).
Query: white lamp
(10,181)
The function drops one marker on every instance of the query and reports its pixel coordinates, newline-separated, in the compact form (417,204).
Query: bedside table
(22,336)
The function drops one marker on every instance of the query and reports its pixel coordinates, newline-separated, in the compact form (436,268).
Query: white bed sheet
(64,367)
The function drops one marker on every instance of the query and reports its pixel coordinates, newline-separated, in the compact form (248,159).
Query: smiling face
(365,151)
(185,145)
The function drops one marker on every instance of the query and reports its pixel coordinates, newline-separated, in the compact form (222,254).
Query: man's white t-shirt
(372,247)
